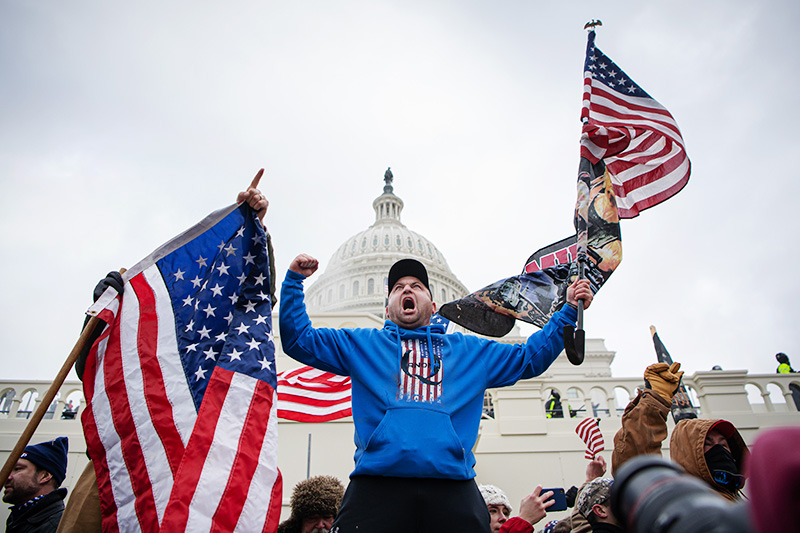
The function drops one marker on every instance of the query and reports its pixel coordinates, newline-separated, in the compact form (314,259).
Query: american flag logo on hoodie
(421,372)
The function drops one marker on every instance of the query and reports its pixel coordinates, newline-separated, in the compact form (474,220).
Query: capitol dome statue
(356,276)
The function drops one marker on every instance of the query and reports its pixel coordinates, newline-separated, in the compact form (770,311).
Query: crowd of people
(417,398)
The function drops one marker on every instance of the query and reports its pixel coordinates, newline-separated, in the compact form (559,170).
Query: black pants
(375,504)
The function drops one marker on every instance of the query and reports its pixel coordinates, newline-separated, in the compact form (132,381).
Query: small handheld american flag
(589,431)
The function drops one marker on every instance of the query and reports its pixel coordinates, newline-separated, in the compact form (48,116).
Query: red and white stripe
(640,143)
(412,388)
(160,463)
(306,394)
(589,432)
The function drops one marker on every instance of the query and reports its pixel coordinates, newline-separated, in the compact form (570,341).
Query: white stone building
(518,448)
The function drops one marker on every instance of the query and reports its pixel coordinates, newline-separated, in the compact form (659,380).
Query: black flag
(682,407)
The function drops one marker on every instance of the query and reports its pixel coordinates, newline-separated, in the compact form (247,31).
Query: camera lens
(654,496)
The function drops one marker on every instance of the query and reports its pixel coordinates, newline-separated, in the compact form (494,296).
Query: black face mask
(723,468)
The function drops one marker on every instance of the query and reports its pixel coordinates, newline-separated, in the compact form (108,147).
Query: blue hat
(50,456)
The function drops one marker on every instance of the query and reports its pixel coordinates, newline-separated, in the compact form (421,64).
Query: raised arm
(323,348)
(644,423)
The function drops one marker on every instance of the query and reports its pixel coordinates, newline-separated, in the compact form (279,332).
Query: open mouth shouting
(409,304)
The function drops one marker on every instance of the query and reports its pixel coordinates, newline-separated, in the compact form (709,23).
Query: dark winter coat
(42,516)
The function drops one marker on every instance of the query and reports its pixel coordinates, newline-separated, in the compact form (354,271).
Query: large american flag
(306,394)
(634,135)
(181,385)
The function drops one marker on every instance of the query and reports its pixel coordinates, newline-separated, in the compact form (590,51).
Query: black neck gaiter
(723,468)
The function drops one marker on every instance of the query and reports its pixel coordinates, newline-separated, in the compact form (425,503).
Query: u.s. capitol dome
(356,276)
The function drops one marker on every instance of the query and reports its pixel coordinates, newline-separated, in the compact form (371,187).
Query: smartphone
(559,497)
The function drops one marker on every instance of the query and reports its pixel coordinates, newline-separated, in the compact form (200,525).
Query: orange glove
(663,379)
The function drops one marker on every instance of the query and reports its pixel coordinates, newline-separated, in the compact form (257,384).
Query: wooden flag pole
(44,405)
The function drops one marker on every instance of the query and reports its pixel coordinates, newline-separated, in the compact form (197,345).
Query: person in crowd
(532,509)
(594,503)
(784,366)
(33,490)
(773,473)
(315,503)
(82,514)
(553,405)
(417,398)
(712,450)
(577,522)
(498,505)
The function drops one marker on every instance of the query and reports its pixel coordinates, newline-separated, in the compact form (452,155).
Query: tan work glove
(663,379)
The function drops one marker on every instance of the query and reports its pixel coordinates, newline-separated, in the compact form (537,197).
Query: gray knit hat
(595,492)
(495,496)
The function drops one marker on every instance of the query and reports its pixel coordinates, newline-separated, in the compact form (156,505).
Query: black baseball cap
(408,267)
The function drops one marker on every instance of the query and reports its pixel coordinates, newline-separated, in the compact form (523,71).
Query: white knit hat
(495,496)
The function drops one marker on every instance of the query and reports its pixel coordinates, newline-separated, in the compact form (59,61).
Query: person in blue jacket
(417,397)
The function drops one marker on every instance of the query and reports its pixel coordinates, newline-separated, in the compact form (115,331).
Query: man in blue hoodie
(417,397)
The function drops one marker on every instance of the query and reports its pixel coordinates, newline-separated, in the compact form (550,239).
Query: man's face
(410,305)
(498,514)
(714,437)
(23,483)
(317,523)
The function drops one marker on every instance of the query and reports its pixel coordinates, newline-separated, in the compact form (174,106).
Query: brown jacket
(575,522)
(644,428)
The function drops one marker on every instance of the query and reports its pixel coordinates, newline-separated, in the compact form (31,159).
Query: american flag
(422,372)
(181,385)
(449,326)
(306,394)
(589,431)
(634,135)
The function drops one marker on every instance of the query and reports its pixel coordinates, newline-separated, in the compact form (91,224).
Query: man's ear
(434,306)
(600,511)
(44,477)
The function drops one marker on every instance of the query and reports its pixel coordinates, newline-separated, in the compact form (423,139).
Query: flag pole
(44,405)
(575,338)
(682,407)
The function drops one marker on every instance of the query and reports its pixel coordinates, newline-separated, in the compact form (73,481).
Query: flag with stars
(181,386)
(633,134)
(448,324)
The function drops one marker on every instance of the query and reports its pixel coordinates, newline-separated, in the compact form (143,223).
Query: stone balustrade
(518,448)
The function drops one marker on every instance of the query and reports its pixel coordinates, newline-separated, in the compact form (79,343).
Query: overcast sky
(124,123)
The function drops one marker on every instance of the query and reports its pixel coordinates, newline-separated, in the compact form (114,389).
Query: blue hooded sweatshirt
(417,395)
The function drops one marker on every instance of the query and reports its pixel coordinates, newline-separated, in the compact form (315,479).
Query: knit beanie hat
(50,456)
(495,496)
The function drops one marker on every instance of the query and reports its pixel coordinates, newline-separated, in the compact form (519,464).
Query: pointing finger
(254,183)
